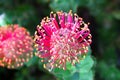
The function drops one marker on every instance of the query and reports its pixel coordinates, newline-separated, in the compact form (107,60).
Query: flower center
(63,42)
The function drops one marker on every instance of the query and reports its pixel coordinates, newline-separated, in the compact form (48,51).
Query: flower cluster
(60,38)
(15,46)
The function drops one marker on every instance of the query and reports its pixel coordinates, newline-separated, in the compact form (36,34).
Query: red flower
(15,46)
(62,38)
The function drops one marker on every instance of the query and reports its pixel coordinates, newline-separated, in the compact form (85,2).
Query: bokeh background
(104,19)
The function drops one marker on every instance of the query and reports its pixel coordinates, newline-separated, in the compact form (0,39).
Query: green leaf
(81,71)
(64,5)
(86,64)
(4,20)
(116,14)
(87,75)
(32,61)
(108,71)
(76,76)
(61,73)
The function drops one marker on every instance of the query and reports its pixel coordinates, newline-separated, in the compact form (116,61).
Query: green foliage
(4,20)
(81,70)
(116,14)
(22,15)
(64,5)
(108,71)
(34,60)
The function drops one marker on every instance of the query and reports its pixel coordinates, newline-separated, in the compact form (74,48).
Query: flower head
(15,46)
(62,38)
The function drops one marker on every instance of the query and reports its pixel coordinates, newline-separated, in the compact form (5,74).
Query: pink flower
(62,38)
(15,46)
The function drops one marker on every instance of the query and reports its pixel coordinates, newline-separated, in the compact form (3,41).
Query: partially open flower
(15,46)
(62,38)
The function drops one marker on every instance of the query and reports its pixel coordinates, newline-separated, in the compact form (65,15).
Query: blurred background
(104,19)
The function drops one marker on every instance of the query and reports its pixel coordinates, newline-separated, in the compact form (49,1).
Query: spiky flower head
(15,46)
(60,38)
